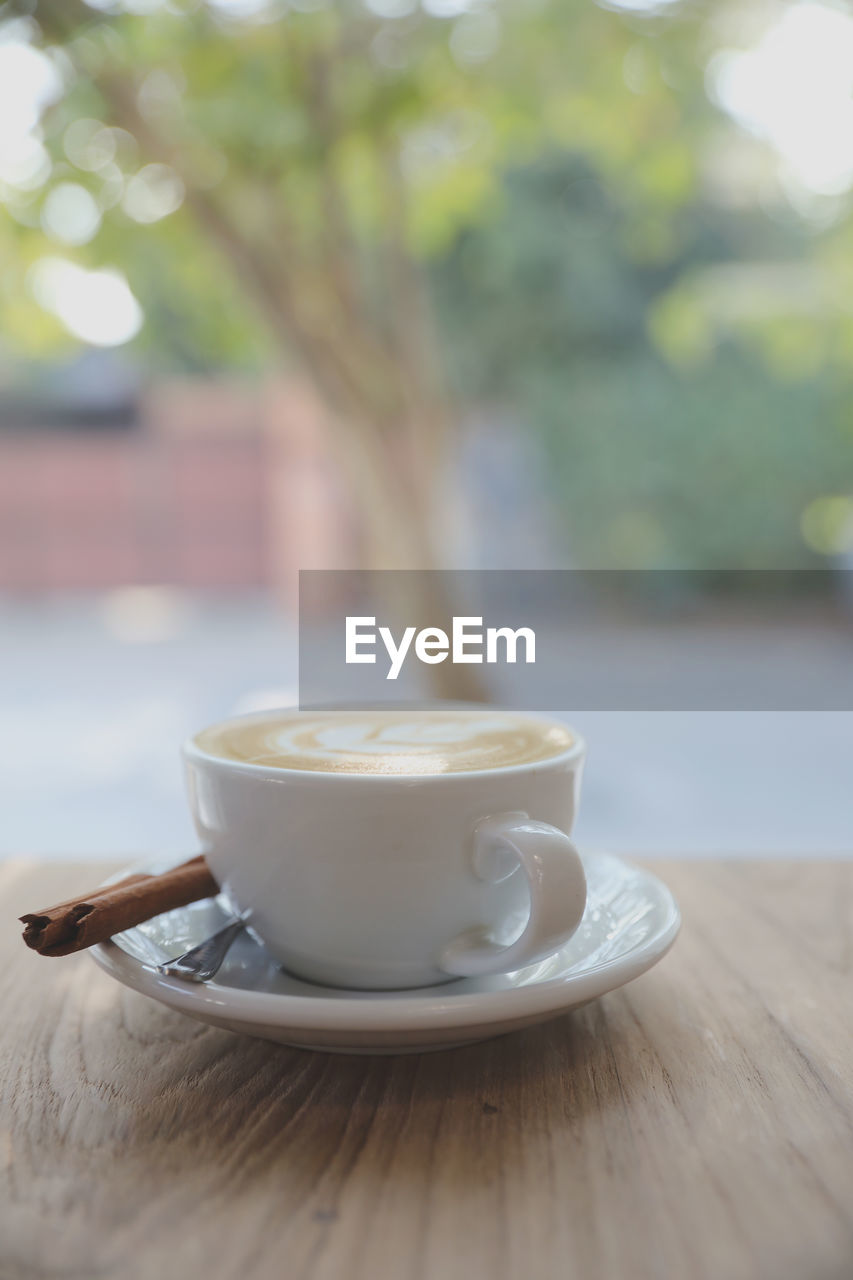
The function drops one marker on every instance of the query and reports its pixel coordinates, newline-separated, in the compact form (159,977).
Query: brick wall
(219,486)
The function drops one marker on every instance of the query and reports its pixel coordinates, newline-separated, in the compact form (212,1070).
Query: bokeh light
(95,306)
(827,524)
(29,82)
(89,144)
(153,193)
(70,214)
(794,89)
(145,614)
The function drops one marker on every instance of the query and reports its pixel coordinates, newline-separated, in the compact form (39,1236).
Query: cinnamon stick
(81,922)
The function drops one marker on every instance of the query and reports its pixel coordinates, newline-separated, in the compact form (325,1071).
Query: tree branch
(262,271)
(414,338)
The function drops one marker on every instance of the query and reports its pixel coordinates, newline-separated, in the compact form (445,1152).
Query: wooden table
(697,1124)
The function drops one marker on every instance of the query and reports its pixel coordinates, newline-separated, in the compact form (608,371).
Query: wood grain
(697,1124)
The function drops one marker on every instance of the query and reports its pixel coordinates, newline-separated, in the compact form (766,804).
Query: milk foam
(386,742)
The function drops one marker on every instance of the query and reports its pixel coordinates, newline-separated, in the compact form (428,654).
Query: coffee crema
(386,742)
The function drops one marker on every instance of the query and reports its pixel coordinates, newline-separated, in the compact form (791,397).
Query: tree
(323,154)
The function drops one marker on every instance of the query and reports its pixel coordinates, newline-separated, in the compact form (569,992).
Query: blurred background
(388,283)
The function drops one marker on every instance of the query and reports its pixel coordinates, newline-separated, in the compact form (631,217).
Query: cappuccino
(386,742)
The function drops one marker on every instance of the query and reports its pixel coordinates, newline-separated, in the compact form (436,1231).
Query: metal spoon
(201,962)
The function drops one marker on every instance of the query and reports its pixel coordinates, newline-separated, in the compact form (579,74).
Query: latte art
(386,742)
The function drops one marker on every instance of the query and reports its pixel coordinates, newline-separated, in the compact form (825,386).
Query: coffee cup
(393,849)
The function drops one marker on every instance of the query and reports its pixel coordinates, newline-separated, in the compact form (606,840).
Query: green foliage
(666,442)
(391,128)
(711,470)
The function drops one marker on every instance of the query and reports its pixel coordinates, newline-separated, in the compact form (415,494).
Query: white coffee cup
(393,881)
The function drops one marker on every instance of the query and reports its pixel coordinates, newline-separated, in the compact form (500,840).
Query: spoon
(201,962)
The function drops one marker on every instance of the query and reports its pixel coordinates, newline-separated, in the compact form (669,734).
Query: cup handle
(557,894)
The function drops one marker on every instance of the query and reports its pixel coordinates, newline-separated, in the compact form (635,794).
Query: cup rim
(190,750)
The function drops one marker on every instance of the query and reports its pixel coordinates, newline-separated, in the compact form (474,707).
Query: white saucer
(631,920)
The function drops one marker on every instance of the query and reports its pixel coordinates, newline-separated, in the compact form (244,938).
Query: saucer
(631,920)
